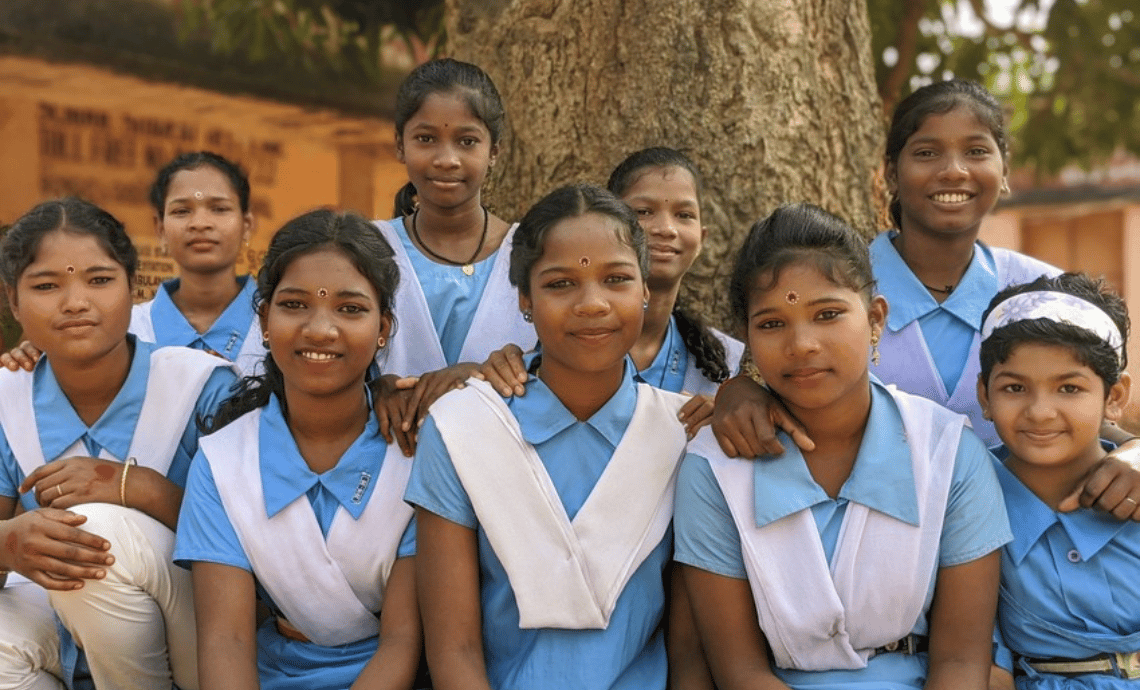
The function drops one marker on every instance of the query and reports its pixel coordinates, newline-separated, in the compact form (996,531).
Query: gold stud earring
(381,342)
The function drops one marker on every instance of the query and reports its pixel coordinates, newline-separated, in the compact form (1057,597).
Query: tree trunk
(774,99)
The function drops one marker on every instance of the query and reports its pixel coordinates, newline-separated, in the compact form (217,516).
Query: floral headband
(1055,306)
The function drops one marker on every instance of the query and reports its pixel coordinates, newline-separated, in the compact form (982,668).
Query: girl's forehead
(453,105)
(673,177)
(961,120)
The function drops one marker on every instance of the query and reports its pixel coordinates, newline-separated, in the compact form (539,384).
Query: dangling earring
(645,305)
(1005,188)
(527,316)
(875,349)
(265,339)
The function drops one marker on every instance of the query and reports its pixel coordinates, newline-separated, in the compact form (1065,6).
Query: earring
(528,317)
(1005,188)
(875,349)
(381,342)
(265,340)
(645,305)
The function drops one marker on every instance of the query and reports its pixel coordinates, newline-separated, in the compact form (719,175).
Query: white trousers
(136,625)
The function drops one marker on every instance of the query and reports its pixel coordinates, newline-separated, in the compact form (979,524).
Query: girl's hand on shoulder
(505,371)
(23,356)
(391,395)
(1112,485)
(72,481)
(696,413)
(431,386)
(745,419)
(47,547)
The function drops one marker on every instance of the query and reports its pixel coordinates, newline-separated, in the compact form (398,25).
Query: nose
(320,328)
(447,157)
(200,218)
(955,166)
(592,301)
(1040,408)
(76,300)
(661,225)
(802,341)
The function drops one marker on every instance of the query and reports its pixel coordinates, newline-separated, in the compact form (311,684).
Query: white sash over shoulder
(177,375)
(818,616)
(330,590)
(564,574)
(414,347)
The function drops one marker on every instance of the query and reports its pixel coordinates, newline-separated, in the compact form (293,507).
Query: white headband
(1055,306)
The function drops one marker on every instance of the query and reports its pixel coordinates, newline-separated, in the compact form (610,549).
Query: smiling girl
(561,586)
(295,499)
(96,446)
(852,559)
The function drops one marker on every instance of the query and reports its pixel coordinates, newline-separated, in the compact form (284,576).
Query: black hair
(800,233)
(345,232)
(192,161)
(1087,347)
(71,214)
(940,98)
(446,76)
(626,173)
(699,339)
(571,202)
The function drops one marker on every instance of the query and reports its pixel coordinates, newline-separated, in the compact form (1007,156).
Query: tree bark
(774,99)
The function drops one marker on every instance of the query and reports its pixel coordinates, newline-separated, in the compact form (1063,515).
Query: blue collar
(1030,518)
(60,427)
(224,336)
(285,476)
(542,416)
(910,300)
(784,485)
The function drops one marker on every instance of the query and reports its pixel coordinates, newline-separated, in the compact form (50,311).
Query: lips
(951,197)
(805,374)
(76,323)
(1041,436)
(202,244)
(663,250)
(593,334)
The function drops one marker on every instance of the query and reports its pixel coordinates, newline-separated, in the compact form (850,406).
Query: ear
(525,304)
(494,155)
(704,233)
(385,326)
(1117,398)
(158,232)
(13,302)
(263,315)
(983,397)
(891,176)
(878,313)
(399,147)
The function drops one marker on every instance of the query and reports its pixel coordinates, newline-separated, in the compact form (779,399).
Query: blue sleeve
(204,530)
(10,475)
(434,484)
(407,545)
(217,388)
(704,531)
(976,522)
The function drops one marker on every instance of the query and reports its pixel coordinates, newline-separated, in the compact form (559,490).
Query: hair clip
(321,292)
(584,261)
(792,297)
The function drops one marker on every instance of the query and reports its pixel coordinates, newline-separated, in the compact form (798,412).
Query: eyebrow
(980,136)
(1075,374)
(343,293)
(51,273)
(574,267)
(187,199)
(826,299)
(647,198)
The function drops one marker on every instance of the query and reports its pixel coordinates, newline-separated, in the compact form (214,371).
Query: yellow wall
(76,129)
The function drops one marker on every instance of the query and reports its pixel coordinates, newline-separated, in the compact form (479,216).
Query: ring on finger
(59,488)
(1131,500)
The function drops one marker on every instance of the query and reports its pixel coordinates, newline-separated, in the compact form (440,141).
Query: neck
(1052,484)
(90,387)
(202,297)
(449,224)
(937,261)
(324,427)
(654,327)
(839,430)
(582,393)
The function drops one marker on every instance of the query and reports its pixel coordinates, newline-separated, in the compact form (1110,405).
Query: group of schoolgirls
(165,522)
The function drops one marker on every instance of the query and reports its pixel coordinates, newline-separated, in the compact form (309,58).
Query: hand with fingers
(1112,486)
(23,356)
(505,371)
(391,396)
(47,547)
(76,480)
(746,416)
(696,413)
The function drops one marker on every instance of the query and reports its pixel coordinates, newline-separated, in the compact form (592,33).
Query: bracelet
(123,481)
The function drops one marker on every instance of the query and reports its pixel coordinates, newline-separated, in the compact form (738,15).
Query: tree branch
(907,47)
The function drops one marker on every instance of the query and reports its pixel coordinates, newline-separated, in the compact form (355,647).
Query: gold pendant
(468,269)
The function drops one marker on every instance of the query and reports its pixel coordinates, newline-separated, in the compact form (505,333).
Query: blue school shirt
(1070,586)
(452,296)
(668,368)
(947,328)
(205,534)
(975,522)
(225,336)
(630,653)
(59,427)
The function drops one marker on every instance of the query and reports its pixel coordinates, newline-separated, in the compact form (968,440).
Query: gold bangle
(123,480)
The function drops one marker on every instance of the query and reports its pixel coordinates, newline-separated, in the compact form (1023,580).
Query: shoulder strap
(414,346)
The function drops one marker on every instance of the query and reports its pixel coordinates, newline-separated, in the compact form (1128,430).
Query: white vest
(249,358)
(177,376)
(818,616)
(564,574)
(906,361)
(330,590)
(695,381)
(414,347)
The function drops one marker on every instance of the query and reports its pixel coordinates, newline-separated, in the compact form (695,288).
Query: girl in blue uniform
(95,447)
(202,216)
(675,351)
(562,585)
(1052,371)
(295,499)
(946,166)
(848,561)
(457,304)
